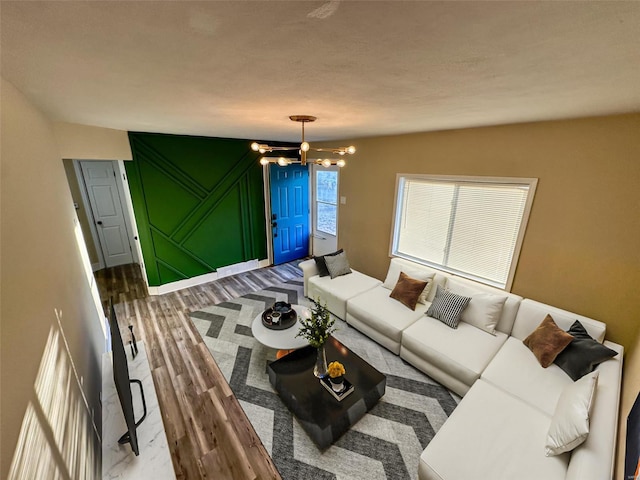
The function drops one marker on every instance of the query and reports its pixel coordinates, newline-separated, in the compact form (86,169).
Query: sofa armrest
(595,458)
(309,269)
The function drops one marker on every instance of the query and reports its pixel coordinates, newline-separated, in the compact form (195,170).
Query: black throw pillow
(322,265)
(583,354)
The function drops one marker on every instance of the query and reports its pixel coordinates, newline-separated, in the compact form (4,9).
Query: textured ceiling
(240,68)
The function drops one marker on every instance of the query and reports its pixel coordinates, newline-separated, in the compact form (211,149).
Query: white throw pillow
(394,274)
(484,309)
(570,423)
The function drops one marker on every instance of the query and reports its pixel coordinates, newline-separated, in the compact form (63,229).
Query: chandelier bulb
(351,150)
(261,150)
(326,163)
(283,162)
(255,146)
(341,163)
(304,146)
(264,161)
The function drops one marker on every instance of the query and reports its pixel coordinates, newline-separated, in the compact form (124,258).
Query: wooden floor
(209,435)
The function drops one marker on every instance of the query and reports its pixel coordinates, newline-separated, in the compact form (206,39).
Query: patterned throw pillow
(338,265)
(408,290)
(447,307)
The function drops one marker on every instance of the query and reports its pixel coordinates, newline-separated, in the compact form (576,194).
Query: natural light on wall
(470,226)
(58,438)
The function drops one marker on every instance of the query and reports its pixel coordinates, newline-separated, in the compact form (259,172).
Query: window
(327,201)
(469,226)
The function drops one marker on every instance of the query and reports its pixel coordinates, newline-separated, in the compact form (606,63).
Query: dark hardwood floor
(208,432)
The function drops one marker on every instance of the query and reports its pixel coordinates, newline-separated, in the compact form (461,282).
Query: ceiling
(240,68)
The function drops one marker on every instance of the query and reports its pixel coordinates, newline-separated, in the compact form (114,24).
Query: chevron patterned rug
(385,443)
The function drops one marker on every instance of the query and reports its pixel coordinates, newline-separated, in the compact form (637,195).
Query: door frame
(125,203)
(312,204)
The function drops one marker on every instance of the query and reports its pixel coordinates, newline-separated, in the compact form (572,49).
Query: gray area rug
(385,443)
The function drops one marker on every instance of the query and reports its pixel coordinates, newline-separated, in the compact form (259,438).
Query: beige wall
(52,337)
(84,142)
(581,251)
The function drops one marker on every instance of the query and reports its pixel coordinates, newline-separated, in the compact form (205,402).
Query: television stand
(119,461)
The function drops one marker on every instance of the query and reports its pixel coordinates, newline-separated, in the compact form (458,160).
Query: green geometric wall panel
(216,237)
(199,204)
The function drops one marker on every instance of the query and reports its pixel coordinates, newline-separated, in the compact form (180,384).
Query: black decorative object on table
(279,317)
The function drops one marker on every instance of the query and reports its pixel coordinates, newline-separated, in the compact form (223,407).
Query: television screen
(123,383)
(632,455)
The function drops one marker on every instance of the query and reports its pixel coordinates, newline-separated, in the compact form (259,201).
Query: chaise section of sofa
(502,422)
(335,292)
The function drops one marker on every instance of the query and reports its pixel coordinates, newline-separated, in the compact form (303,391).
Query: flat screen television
(123,384)
(632,455)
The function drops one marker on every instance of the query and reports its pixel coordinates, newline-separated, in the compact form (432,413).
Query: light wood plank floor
(209,435)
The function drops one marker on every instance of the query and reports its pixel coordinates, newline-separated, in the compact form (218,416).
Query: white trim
(264,263)
(266,177)
(96,266)
(208,277)
(130,217)
(87,208)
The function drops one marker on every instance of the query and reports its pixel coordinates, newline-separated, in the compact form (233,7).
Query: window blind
(464,226)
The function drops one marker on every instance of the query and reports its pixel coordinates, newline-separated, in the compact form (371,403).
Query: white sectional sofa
(499,429)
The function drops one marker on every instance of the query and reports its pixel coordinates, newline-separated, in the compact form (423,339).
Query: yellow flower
(336,369)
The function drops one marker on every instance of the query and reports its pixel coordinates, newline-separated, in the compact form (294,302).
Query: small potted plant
(336,376)
(317,329)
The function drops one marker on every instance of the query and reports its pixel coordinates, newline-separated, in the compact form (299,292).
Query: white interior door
(106,207)
(325,209)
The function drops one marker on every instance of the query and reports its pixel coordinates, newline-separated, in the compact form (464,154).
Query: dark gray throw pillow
(447,307)
(583,354)
(338,265)
(323,271)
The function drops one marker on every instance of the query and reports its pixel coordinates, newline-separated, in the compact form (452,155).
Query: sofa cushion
(323,271)
(492,435)
(381,313)
(464,352)
(484,309)
(570,423)
(447,307)
(547,341)
(518,372)
(335,292)
(408,290)
(337,265)
(531,313)
(583,354)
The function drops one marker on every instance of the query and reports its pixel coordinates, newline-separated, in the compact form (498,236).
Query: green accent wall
(199,204)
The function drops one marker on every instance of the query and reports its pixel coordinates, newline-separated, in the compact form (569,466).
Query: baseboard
(208,277)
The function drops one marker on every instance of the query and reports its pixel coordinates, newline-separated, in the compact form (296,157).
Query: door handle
(274,224)
(99,222)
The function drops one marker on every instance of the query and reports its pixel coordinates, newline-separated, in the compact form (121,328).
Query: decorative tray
(279,317)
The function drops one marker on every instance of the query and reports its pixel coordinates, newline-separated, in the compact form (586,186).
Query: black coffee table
(323,417)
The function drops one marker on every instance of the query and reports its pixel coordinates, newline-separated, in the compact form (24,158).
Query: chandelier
(302,150)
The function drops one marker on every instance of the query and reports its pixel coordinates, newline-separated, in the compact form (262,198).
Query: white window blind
(468,226)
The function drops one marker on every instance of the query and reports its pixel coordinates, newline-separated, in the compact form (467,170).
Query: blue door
(289,212)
